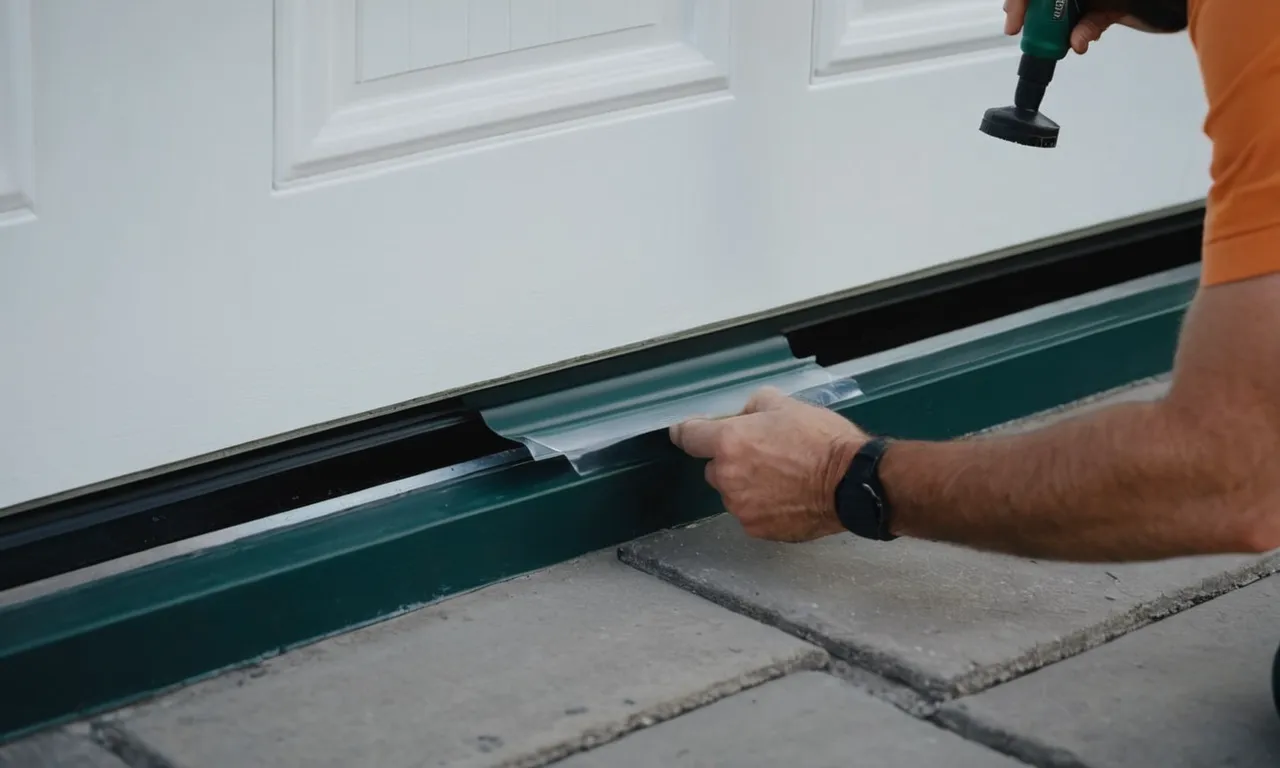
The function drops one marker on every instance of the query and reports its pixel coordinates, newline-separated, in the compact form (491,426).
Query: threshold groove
(75,533)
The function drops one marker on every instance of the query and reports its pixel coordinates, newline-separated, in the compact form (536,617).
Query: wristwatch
(861,503)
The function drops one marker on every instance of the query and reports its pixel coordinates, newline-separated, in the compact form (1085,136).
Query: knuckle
(711,473)
(731,444)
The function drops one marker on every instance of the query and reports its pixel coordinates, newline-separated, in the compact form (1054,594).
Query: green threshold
(108,641)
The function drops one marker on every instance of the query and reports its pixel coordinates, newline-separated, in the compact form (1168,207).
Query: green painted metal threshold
(106,642)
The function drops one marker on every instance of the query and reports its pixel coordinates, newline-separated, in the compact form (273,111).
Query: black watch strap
(861,503)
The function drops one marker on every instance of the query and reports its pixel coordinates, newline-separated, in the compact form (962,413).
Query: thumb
(766,399)
(697,437)
(1090,28)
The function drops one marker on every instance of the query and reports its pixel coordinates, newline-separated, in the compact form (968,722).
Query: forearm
(1133,481)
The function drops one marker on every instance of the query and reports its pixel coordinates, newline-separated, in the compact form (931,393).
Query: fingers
(1086,32)
(1015,11)
(705,438)
(1091,27)
(698,437)
(766,399)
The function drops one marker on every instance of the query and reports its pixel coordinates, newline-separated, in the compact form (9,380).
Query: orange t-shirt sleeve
(1238,43)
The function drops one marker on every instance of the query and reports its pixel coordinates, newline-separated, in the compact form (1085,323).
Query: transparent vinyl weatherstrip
(610,424)
(604,445)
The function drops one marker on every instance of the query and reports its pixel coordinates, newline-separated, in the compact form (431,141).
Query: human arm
(1196,472)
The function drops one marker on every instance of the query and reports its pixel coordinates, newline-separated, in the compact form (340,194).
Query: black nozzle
(1022,123)
(1021,126)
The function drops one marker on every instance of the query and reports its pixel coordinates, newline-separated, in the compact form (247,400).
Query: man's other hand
(776,465)
(1144,15)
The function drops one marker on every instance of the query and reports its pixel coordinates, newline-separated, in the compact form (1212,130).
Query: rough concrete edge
(804,660)
(1067,410)
(53,738)
(935,689)
(132,750)
(880,663)
(1140,615)
(881,688)
(959,720)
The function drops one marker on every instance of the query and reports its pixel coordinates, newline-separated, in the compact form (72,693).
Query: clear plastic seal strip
(624,420)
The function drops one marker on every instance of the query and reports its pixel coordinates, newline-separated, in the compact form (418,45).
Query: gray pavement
(807,719)
(1190,691)
(700,647)
(516,674)
(942,619)
(59,748)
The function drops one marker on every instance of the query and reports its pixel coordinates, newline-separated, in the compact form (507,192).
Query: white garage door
(224,221)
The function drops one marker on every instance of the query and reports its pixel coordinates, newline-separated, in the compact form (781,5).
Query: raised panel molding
(852,35)
(16,124)
(365,81)
(398,36)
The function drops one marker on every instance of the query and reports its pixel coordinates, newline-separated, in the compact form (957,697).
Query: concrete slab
(520,673)
(1192,690)
(944,620)
(1144,391)
(57,749)
(807,720)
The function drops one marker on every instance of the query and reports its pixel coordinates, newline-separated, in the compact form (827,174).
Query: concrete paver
(806,720)
(1144,391)
(518,673)
(1192,690)
(945,620)
(57,749)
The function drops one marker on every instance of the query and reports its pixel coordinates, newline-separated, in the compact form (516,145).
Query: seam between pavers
(124,744)
(919,707)
(871,659)
(1026,749)
(810,659)
(980,679)
(877,686)
(1141,615)
(135,752)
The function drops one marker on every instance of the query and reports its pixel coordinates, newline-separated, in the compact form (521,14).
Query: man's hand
(1101,15)
(776,465)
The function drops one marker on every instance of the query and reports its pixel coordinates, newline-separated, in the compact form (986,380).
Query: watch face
(856,504)
(860,503)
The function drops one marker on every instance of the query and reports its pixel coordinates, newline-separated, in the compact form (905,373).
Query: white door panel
(234,220)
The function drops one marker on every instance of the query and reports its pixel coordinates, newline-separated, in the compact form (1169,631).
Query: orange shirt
(1238,43)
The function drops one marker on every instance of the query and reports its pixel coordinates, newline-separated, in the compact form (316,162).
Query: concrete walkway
(701,647)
